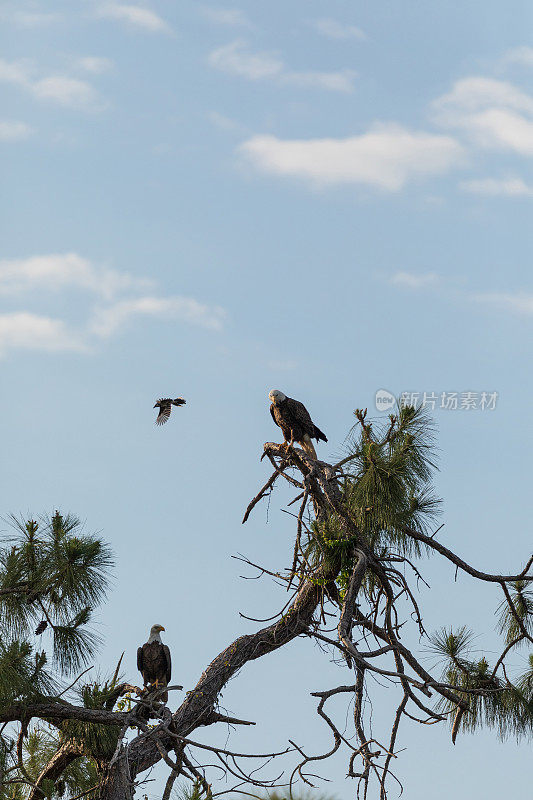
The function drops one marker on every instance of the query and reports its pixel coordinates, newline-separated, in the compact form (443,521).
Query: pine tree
(52,577)
(363,527)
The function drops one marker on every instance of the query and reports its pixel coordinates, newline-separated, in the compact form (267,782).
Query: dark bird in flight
(295,422)
(165,407)
(154,663)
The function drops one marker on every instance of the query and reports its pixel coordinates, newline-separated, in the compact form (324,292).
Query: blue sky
(214,200)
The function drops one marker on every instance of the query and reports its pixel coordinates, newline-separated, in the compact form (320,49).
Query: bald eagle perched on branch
(295,422)
(154,663)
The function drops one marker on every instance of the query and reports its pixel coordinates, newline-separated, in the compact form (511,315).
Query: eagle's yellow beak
(161,628)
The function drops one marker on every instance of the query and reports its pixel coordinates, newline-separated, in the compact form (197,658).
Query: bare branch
(483,576)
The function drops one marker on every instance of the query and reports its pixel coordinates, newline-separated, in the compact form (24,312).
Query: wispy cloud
(476,93)
(386,157)
(519,55)
(66,91)
(134,15)
(121,299)
(62,270)
(28,331)
(232,17)
(333,29)
(224,123)
(494,114)
(496,187)
(411,280)
(94,64)
(236,58)
(27,17)
(107,321)
(519,302)
(60,89)
(11,131)
(16,72)
(514,302)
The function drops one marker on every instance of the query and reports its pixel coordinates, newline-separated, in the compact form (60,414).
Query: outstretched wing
(165,407)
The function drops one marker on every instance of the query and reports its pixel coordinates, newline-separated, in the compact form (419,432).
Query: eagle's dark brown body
(154,664)
(165,407)
(296,424)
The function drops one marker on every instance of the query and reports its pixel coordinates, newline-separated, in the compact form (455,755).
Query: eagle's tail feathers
(319,435)
(179,401)
(307,445)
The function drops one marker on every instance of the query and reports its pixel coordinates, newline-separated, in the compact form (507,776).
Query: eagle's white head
(155,630)
(276,396)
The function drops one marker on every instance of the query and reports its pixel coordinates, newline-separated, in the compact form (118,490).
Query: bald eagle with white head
(154,662)
(295,422)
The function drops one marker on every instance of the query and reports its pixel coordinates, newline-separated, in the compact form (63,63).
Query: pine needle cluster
(52,576)
(386,485)
(387,482)
(491,701)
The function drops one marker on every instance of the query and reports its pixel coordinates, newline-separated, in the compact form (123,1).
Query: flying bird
(154,662)
(165,407)
(295,422)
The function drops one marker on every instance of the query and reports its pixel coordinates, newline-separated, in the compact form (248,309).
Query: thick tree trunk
(142,753)
(116,783)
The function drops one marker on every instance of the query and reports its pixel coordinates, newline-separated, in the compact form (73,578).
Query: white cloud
(224,123)
(519,302)
(493,187)
(519,55)
(120,292)
(11,131)
(501,129)
(33,332)
(59,89)
(136,16)
(236,58)
(412,280)
(65,91)
(333,29)
(477,93)
(387,157)
(108,320)
(233,17)
(16,72)
(495,114)
(95,64)
(27,18)
(61,270)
